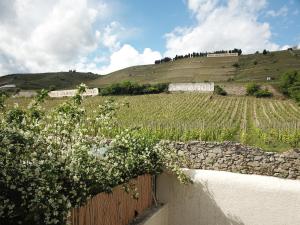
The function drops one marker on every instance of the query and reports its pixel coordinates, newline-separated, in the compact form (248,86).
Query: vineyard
(271,124)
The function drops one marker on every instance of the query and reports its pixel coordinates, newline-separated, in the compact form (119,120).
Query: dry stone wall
(234,157)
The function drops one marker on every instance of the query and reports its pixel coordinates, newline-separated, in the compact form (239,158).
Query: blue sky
(155,18)
(102,36)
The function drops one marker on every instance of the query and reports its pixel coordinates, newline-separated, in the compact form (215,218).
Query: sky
(102,36)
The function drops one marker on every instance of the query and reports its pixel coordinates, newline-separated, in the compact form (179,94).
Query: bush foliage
(53,161)
(131,88)
(219,91)
(290,85)
(253,89)
(263,93)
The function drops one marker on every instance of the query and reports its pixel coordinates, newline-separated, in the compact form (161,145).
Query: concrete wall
(223,198)
(159,217)
(195,87)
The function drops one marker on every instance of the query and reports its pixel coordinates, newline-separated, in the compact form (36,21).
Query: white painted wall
(194,87)
(7,86)
(223,198)
(70,93)
(221,54)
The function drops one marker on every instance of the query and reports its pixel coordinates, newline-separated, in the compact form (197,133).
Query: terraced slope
(185,70)
(254,67)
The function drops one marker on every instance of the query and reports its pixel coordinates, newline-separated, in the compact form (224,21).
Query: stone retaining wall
(234,157)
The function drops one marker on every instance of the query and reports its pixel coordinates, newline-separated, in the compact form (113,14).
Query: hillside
(253,67)
(60,80)
(245,68)
(184,70)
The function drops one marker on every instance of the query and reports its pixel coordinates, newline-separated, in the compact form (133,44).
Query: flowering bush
(53,161)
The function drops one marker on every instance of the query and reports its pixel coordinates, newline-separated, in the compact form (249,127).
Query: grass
(192,116)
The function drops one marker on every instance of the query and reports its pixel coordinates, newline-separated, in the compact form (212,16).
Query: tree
(265,52)
(290,84)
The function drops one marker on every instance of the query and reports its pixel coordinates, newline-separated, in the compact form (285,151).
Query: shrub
(51,162)
(219,91)
(3,96)
(236,65)
(131,88)
(252,88)
(263,93)
(290,85)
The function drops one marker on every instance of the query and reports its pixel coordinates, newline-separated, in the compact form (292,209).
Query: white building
(192,87)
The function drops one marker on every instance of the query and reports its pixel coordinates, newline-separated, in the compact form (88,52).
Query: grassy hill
(257,67)
(245,68)
(254,67)
(60,80)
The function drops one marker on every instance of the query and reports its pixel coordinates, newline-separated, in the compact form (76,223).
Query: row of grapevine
(191,116)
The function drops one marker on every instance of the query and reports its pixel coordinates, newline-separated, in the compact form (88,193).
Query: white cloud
(201,8)
(283,11)
(285,47)
(233,25)
(46,35)
(112,34)
(58,35)
(128,56)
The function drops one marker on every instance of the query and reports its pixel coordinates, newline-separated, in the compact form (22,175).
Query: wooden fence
(116,208)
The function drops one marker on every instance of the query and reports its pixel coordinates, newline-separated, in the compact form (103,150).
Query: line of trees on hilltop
(196,54)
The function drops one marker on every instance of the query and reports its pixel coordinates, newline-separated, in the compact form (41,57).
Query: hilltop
(221,70)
